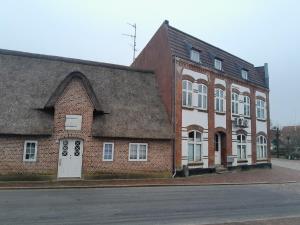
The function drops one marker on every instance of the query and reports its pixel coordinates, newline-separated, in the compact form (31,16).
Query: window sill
(188,107)
(261,160)
(261,120)
(199,163)
(201,110)
(242,161)
(137,160)
(220,113)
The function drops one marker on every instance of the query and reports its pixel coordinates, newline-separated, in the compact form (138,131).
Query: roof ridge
(70,60)
(169,26)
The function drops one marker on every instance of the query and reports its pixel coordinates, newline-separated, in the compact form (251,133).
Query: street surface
(150,205)
(290,164)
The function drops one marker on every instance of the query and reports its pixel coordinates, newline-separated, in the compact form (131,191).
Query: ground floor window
(261,147)
(108,151)
(30,151)
(241,147)
(138,152)
(194,146)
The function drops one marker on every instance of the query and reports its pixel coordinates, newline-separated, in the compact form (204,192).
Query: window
(187,93)
(73,122)
(261,147)
(245,74)
(194,146)
(235,103)
(246,106)
(30,151)
(218,64)
(219,100)
(138,152)
(202,96)
(108,151)
(195,56)
(241,146)
(260,109)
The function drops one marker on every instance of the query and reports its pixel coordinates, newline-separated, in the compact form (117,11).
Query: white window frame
(219,100)
(261,147)
(218,64)
(246,101)
(244,74)
(260,109)
(188,92)
(112,151)
(234,103)
(73,122)
(242,151)
(35,151)
(138,152)
(195,56)
(194,142)
(202,96)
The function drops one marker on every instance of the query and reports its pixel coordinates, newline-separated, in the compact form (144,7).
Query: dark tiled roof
(181,43)
(128,97)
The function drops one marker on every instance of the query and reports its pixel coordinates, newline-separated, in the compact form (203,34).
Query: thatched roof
(127,100)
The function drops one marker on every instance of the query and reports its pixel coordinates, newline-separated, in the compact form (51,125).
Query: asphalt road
(149,205)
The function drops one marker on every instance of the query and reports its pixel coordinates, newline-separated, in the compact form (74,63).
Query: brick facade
(75,101)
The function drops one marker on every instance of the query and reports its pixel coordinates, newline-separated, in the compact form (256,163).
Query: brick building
(68,118)
(218,103)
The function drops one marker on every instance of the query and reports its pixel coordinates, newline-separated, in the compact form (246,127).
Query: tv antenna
(133,36)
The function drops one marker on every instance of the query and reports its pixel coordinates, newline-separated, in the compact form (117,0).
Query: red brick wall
(75,100)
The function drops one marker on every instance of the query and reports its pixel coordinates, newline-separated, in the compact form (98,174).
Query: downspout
(174,115)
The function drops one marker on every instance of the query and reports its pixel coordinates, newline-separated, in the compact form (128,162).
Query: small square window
(195,56)
(108,151)
(218,64)
(245,74)
(73,122)
(138,152)
(30,151)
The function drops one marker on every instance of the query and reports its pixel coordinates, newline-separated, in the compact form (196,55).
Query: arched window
(219,100)
(261,147)
(235,103)
(246,106)
(194,146)
(241,146)
(187,93)
(202,96)
(260,109)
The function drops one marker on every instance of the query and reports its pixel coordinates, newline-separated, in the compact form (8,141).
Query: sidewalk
(290,164)
(254,176)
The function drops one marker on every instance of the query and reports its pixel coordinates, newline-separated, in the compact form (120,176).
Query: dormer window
(218,64)
(195,55)
(245,74)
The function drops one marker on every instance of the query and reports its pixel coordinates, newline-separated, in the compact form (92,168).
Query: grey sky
(256,30)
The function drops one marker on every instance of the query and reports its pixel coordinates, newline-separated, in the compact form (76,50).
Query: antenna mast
(133,36)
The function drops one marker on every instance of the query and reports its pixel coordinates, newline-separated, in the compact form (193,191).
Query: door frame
(59,152)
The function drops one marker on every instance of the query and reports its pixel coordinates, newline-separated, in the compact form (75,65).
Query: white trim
(112,151)
(35,151)
(138,148)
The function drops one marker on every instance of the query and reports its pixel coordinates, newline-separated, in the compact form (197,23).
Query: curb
(141,185)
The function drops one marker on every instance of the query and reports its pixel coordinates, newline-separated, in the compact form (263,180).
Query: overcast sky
(258,31)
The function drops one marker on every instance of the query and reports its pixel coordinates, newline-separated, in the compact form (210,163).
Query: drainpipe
(174,115)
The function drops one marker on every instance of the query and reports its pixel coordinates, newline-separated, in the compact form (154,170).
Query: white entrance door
(70,158)
(217,149)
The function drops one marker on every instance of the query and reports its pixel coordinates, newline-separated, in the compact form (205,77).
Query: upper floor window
(261,147)
(202,96)
(195,55)
(247,106)
(73,122)
(218,64)
(30,151)
(241,146)
(138,152)
(194,146)
(245,74)
(260,109)
(187,93)
(219,100)
(235,103)
(108,151)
